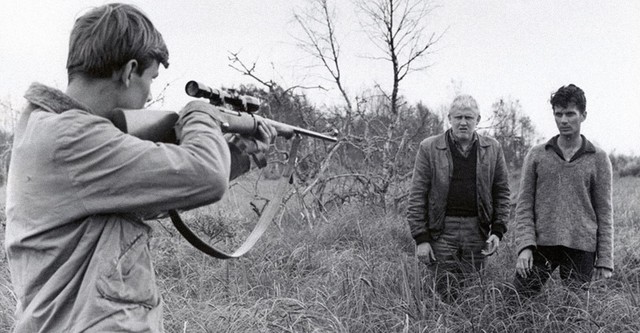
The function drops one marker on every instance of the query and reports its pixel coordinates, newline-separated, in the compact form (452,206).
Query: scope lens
(192,88)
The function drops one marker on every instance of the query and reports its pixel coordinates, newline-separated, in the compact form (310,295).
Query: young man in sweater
(459,199)
(564,215)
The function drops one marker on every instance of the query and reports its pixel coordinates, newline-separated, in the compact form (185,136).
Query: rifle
(236,114)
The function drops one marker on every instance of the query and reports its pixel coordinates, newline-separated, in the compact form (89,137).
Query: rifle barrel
(287,131)
(313,134)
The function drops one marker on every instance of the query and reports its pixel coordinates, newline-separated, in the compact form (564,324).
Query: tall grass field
(354,270)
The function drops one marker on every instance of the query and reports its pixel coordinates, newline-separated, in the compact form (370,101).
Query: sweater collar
(586,144)
(586,148)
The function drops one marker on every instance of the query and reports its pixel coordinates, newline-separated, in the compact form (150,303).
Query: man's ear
(584,116)
(126,72)
(479,117)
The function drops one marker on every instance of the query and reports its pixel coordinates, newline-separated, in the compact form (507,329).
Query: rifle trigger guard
(260,159)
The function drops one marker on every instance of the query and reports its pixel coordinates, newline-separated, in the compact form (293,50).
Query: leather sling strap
(265,219)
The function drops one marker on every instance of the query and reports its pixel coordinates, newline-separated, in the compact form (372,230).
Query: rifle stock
(158,126)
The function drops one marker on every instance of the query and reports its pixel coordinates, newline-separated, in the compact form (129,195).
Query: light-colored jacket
(77,188)
(430,187)
(566,203)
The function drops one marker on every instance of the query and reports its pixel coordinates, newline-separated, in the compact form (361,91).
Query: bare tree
(398,29)
(321,42)
(513,129)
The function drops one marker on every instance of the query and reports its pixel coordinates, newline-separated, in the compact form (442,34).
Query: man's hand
(425,253)
(266,135)
(258,143)
(601,273)
(524,263)
(492,245)
(255,144)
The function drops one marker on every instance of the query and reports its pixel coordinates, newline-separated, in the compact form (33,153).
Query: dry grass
(355,272)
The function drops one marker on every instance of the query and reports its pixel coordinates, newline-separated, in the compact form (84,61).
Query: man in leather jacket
(459,199)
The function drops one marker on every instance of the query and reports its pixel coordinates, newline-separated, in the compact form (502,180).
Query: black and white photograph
(319,166)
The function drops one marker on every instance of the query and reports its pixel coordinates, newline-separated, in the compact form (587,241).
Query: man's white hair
(462,102)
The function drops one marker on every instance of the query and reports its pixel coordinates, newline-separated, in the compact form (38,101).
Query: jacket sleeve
(417,203)
(240,161)
(114,172)
(602,204)
(525,224)
(501,195)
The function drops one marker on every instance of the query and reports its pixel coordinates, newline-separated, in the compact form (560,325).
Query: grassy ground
(354,271)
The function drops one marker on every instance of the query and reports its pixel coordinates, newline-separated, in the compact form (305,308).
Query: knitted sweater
(566,203)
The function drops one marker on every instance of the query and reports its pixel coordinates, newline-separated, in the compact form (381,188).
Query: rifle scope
(223,96)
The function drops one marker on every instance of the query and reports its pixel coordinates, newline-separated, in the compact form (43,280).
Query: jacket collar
(441,140)
(51,99)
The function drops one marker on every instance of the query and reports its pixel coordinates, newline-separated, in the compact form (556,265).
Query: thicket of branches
(331,174)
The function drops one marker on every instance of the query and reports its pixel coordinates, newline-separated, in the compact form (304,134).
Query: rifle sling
(265,219)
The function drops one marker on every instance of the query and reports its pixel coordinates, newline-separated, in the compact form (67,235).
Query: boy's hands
(258,143)
(265,137)
(255,144)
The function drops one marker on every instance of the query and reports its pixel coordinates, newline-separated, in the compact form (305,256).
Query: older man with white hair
(459,199)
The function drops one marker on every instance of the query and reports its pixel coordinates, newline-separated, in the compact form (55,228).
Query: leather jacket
(430,186)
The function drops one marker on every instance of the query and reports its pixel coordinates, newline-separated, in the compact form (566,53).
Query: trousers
(458,255)
(575,265)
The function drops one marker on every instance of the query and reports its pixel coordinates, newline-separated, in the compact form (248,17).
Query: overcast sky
(520,50)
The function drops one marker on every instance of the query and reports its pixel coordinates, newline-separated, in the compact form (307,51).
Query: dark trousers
(576,267)
(458,255)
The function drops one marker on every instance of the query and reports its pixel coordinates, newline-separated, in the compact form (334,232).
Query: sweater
(461,200)
(564,203)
